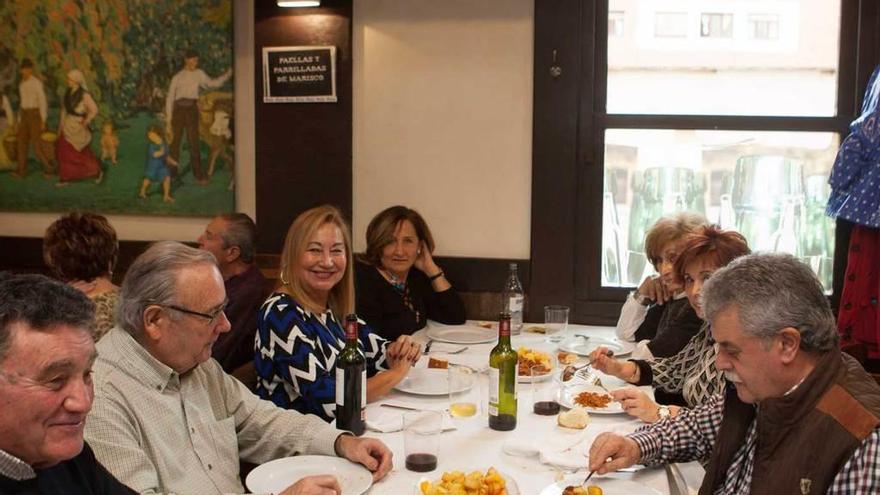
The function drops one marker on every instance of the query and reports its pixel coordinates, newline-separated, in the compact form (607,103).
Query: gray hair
(773,291)
(42,304)
(152,279)
(240,231)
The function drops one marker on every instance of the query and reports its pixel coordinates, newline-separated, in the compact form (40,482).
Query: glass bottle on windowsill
(513,299)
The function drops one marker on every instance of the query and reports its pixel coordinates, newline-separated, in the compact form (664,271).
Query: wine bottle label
(494,386)
(340,386)
(516,304)
(363,391)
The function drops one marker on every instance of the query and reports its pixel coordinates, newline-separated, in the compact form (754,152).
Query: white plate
(569,393)
(584,347)
(428,381)
(540,378)
(460,334)
(509,483)
(275,476)
(609,486)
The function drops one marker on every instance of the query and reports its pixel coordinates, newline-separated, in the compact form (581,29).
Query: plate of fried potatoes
(527,358)
(476,482)
(597,485)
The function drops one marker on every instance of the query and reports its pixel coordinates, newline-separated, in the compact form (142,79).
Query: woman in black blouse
(393,298)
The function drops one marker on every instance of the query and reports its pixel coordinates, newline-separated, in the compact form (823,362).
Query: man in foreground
(231,238)
(46,355)
(799,417)
(167,418)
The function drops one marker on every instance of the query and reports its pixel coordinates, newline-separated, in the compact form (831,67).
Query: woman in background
(300,327)
(81,249)
(74,151)
(392,297)
(657,315)
(691,372)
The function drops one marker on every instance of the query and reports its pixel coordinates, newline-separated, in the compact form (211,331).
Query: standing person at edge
(231,238)
(182,111)
(32,117)
(166,418)
(799,417)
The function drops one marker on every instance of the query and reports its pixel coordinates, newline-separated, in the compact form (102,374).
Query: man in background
(231,238)
(31,119)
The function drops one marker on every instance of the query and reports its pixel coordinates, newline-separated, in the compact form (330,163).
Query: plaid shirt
(691,435)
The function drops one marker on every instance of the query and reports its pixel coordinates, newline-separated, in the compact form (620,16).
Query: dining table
(538,452)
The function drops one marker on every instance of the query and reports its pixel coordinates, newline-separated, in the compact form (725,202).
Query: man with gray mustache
(798,416)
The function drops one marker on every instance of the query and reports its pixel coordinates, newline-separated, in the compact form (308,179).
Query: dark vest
(803,438)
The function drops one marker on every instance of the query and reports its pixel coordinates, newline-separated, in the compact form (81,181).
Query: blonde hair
(670,229)
(341,299)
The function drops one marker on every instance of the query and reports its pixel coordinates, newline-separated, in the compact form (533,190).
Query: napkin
(562,451)
(388,420)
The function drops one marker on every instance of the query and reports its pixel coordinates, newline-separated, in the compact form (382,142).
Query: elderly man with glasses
(798,416)
(166,417)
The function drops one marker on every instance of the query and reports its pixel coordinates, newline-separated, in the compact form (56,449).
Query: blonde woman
(300,326)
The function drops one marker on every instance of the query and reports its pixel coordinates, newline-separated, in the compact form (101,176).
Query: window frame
(568,149)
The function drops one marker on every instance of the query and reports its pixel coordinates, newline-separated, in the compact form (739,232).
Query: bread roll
(576,418)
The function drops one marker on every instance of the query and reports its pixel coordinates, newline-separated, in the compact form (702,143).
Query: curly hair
(80,246)
(670,229)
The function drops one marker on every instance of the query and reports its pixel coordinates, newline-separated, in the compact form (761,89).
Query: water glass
(421,438)
(556,322)
(464,396)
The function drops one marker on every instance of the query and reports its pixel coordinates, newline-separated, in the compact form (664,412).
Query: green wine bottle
(502,380)
(351,382)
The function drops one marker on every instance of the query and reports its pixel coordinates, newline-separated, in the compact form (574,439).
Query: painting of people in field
(121,106)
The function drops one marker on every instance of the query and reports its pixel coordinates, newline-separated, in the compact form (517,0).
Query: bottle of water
(512,300)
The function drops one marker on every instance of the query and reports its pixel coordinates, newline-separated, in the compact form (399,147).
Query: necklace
(403,289)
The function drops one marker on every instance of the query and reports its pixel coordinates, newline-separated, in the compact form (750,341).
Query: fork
(458,351)
(588,375)
(428,346)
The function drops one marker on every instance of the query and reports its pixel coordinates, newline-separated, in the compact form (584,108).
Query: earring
(281,276)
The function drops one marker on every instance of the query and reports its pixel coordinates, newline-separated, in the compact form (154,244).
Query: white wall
(443,119)
(147,228)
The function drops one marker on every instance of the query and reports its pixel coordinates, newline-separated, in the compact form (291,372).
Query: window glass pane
(770,186)
(744,57)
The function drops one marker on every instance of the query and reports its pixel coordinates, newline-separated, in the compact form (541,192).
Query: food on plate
(567,357)
(474,483)
(536,329)
(592,399)
(579,490)
(437,363)
(568,373)
(529,358)
(575,418)
(484,324)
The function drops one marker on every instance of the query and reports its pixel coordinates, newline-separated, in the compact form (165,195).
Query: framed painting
(121,106)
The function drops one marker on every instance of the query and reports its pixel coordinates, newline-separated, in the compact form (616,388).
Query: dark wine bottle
(502,380)
(351,382)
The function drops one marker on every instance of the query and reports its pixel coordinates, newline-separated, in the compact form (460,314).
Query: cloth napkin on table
(562,451)
(388,420)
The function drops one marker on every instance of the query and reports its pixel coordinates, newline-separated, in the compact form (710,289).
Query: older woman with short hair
(392,297)
(690,372)
(81,249)
(299,328)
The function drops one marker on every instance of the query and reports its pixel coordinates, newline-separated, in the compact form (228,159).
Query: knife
(428,346)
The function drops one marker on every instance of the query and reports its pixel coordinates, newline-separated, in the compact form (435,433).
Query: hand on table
(654,289)
(623,452)
(404,349)
(372,453)
(637,403)
(314,485)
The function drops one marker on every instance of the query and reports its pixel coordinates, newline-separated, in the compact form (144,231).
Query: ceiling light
(299,3)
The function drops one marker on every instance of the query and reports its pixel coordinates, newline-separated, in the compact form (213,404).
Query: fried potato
(473,483)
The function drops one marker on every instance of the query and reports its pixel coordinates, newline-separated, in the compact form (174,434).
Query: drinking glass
(556,322)
(421,438)
(463,394)
(544,391)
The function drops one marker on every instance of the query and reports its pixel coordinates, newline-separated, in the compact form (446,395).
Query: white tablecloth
(475,446)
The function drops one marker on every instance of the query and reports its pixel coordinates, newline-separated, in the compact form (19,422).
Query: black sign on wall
(299,74)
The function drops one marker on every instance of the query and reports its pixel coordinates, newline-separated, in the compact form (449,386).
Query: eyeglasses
(211,317)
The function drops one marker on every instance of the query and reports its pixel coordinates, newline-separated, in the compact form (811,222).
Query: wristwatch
(641,299)
(663,412)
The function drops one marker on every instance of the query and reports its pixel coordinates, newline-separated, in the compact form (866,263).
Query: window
(763,26)
(615,24)
(670,24)
(716,25)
